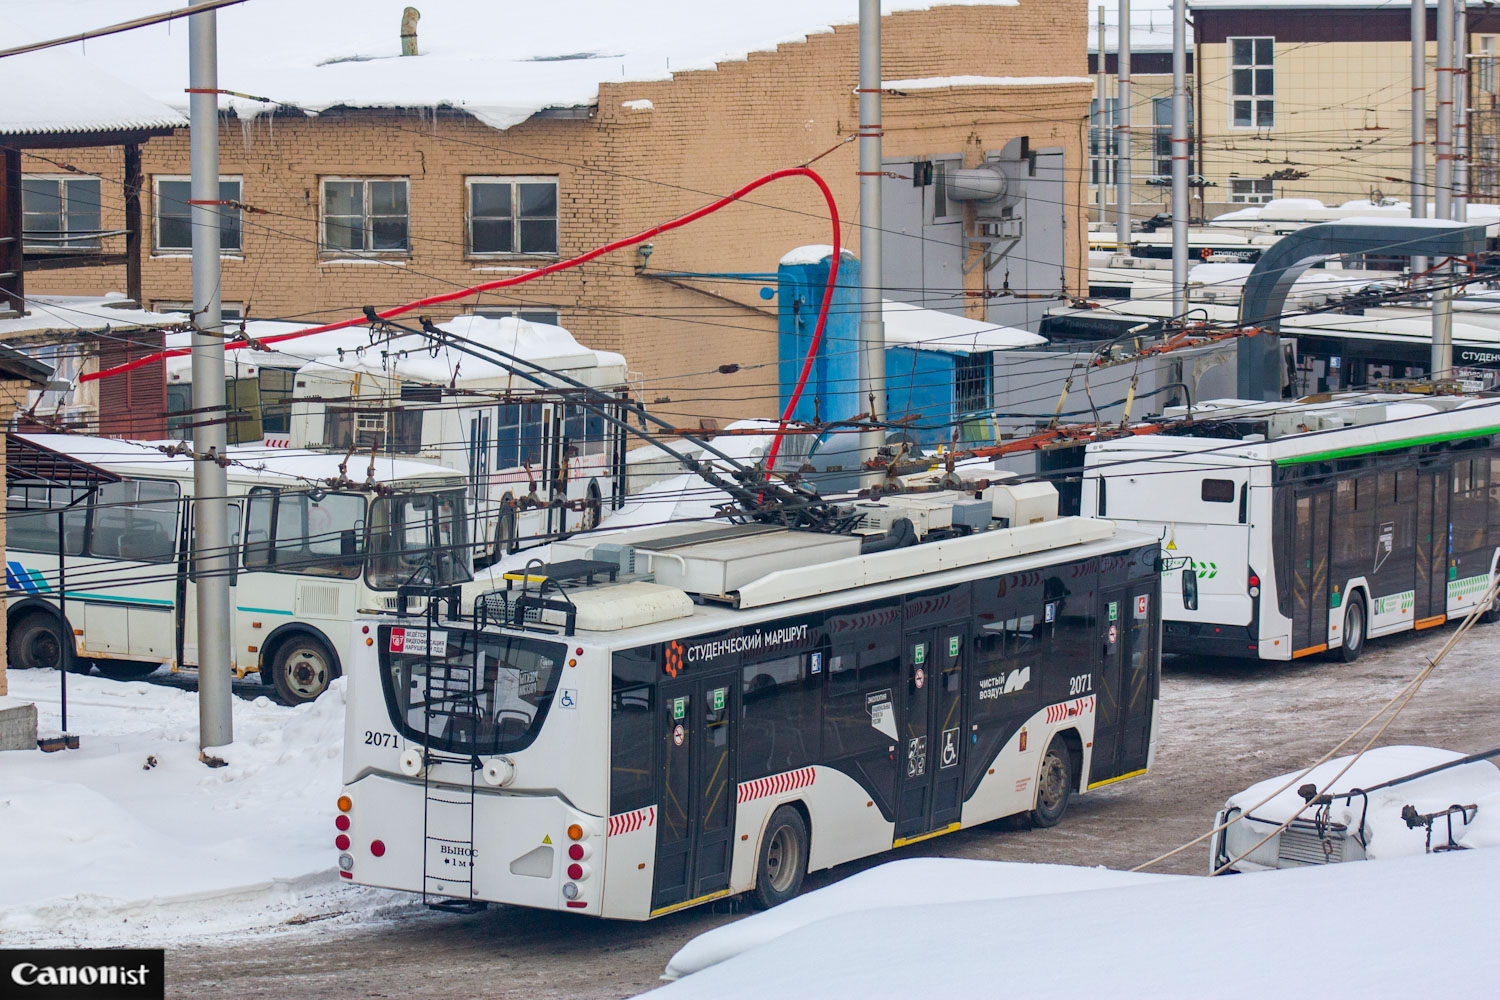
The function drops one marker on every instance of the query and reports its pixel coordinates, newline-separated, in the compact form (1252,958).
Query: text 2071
(375,739)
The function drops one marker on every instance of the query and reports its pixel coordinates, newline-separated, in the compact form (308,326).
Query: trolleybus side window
(1218,490)
(632,730)
(305,532)
(781,724)
(1470,511)
(135,519)
(458,699)
(31,518)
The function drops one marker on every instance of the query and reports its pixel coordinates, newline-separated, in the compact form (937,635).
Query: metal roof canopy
(1266,289)
(27,461)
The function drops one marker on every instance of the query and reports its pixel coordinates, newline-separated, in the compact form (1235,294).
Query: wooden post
(12,254)
(133,183)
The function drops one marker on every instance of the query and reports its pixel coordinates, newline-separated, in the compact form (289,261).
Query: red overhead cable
(564,265)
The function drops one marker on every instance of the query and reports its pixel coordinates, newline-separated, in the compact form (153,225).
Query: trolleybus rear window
(454,698)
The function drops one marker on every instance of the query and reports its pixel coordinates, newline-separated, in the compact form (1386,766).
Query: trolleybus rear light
(346,862)
(377,848)
(345,804)
(364,629)
(569,890)
(575,871)
(575,852)
(575,832)
(341,821)
(578,903)
(341,842)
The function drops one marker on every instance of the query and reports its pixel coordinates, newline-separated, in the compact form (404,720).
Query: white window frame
(1251,197)
(327,251)
(223,210)
(1254,97)
(501,312)
(60,247)
(514,180)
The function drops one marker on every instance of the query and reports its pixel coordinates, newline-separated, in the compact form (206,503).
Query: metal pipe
(1102,133)
(871,318)
(1122,147)
(1418,119)
(1461,111)
(1180,147)
(210,535)
(1442,300)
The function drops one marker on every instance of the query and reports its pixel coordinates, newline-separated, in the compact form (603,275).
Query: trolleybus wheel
(126,670)
(1491,616)
(301,669)
(1354,631)
(505,527)
(593,510)
(783,858)
(35,642)
(1054,788)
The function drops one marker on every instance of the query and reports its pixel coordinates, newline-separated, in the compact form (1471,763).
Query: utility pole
(1180,153)
(1122,147)
(210,535)
(1102,131)
(1418,119)
(1461,111)
(871,290)
(1442,299)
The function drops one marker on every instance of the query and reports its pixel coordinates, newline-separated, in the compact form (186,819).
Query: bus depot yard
(106,846)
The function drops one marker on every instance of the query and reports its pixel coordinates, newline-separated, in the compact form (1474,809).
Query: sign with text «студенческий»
(83,974)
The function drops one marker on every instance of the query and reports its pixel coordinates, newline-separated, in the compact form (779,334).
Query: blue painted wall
(832,391)
(920,384)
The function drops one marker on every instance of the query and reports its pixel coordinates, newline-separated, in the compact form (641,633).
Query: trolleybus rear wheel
(301,669)
(1054,786)
(35,642)
(1354,630)
(783,858)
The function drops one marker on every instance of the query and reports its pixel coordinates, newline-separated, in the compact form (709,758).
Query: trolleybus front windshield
(464,692)
(418,539)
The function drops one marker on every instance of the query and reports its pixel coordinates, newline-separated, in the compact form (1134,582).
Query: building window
(230,312)
(1250,192)
(60,213)
(174,216)
(513,215)
(365,215)
(1252,82)
(547,316)
(1161,136)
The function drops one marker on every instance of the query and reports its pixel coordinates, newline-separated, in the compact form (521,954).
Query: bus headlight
(411,762)
(499,771)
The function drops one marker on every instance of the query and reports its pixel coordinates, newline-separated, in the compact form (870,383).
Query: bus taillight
(341,821)
(578,852)
(377,848)
(341,842)
(1254,585)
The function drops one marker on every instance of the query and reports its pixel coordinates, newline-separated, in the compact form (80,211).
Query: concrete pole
(871,318)
(210,536)
(1122,147)
(1101,126)
(1419,190)
(1461,111)
(1180,153)
(1442,301)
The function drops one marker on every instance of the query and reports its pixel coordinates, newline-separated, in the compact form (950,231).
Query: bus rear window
(1218,490)
(476,694)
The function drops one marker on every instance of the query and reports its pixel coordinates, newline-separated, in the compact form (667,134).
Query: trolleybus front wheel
(302,668)
(1354,630)
(783,858)
(35,642)
(1054,787)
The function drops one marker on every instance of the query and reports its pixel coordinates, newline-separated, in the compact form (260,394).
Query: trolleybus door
(1432,545)
(695,839)
(1310,571)
(1127,683)
(930,793)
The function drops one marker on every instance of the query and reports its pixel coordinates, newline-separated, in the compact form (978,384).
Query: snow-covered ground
(102,849)
(1414,926)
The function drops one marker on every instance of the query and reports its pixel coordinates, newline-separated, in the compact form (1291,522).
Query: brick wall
(623,170)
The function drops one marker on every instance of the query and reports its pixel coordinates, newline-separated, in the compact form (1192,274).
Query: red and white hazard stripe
(631,821)
(1070,709)
(787,781)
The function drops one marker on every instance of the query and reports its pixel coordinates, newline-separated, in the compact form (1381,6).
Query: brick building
(413,196)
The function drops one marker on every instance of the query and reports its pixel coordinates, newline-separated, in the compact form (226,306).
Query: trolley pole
(1122,148)
(1180,147)
(1102,132)
(210,535)
(1442,299)
(871,317)
(1418,119)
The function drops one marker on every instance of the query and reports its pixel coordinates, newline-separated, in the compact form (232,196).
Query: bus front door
(695,838)
(1128,683)
(1310,573)
(930,796)
(1432,547)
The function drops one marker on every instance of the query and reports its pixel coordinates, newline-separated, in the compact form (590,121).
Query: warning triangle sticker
(547,838)
(1172,545)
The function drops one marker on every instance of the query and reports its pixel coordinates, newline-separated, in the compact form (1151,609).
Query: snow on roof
(1389,5)
(908,325)
(496,61)
(55,90)
(413,357)
(1150,31)
(813,253)
(244,362)
(85,313)
(936,82)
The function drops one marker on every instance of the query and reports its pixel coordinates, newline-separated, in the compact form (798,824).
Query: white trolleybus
(537,463)
(672,714)
(110,520)
(1290,529)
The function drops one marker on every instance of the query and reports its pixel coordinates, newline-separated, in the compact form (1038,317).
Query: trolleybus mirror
(1190,589)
